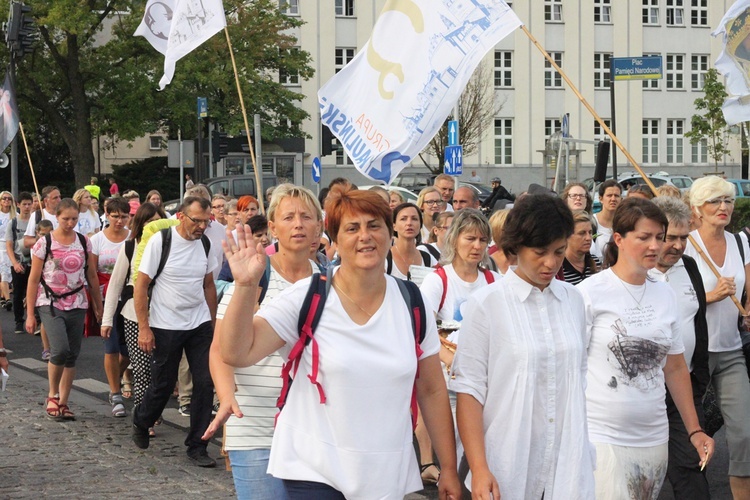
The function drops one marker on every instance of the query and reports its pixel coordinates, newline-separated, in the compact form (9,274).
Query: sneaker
(118,406)
(215,409)
(140,437)
(38,330)
(19,328)
(185,410)
(46,355)
(201,459)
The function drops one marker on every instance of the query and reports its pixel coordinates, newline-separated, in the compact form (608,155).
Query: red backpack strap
(440,270)
(415,303)
(488,276)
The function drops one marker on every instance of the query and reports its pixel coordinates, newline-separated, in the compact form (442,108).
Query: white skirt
(629,473)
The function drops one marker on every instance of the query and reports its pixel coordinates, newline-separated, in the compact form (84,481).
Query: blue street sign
(316,170)
(565,129)
(454,160)
(453,133)
(202,107)
(637,68)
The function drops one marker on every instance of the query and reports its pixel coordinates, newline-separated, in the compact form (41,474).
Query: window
(599,133)
(602,11)
(699,13)
(344,8)
(553,10)
(698,69)
(155,142)
(650,83)
(503,68)
(675,129)
(675,67)
(552,125)
(341,157)
(651,12)
(289,7)
(343,56)
(503,141)
(700,152)
(601,70)
(650,135)
(286,77)
(552,79)
(675,13)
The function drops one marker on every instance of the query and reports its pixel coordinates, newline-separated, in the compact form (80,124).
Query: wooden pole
(624,151)
(31,167)
(258,177)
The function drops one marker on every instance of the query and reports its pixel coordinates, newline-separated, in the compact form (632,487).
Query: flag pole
(258,179)
(31,166)
(623,149)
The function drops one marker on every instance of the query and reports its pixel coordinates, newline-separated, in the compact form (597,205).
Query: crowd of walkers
(353,345)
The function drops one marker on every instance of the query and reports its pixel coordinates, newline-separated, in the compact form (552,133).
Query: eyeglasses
(218,207)
(433,202)
(200,222)
(232,214)
(6,198)
(577,196)
(718,201)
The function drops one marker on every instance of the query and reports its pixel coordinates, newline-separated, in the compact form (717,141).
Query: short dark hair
(46,190)
(117,204)
(203,202)
(25,195)
(535,221)
(627,215)
(405,206)
(257,223)
(608,184)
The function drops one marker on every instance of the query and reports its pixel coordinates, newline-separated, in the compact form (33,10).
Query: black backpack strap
(389,262)
(741,246)
(415,303)
(84,244)
(426,258)
(206,244)
(51,295)
(129,251)
(433,251)
(166,244)
(13,230)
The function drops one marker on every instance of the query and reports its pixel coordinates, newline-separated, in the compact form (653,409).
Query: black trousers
(164,366)
(683,471)
(20,284)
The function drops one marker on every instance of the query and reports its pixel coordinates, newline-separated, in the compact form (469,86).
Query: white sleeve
(31,227)
(432,291)
(470,365)
(677,347)
(114,289)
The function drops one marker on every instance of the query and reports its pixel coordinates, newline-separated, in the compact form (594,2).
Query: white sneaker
(118,408)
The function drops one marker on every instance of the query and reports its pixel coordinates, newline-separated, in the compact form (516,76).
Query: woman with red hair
(247,206)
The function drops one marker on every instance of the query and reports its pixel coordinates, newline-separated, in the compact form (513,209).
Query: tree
(90,76)
(476,110)
(710,127)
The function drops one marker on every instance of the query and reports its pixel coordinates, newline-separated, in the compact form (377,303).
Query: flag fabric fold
(390,100)
(734,61)
(177,27)
(9,112)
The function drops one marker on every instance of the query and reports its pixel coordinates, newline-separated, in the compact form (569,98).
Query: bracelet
(690,436)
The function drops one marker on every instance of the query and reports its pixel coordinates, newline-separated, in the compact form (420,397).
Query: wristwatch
(3,354)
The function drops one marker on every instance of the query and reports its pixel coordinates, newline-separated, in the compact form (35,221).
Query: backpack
(440,270)
(389,262)
(51,295)
(309,317)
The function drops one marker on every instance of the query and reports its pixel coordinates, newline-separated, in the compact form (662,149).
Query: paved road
(94,457)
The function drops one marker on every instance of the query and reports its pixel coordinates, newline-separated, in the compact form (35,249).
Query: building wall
(527,103)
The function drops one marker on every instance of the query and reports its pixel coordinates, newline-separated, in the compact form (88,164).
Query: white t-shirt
(258,386)
(360,440)
(722,316)
(177,299)
(687,300)
(604,234)
(455,297)
(87,223)
(216,232)
(106,250)
(31,228)
(628,346)
(522,356)
(396,272)
(4,223)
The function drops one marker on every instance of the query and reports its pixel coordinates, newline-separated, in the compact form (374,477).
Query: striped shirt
(574,276)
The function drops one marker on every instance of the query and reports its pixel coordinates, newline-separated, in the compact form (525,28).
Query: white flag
(734,60)
(176,27)
(390,100)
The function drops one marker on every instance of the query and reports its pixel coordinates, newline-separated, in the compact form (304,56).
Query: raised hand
(246,260)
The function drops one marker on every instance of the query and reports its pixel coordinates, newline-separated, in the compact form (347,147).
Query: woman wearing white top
(634,348)
(712,201)
(436,241)
(430,202)
(407,222)
(7,214)
(358,444)
(88,220)
(520,368)
(248,395)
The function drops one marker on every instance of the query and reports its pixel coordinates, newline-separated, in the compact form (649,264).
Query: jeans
(310,490)
(166,361)
(251,481)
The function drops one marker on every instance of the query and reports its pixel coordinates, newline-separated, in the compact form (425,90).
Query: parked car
(483,190)
(239,185)
(628,179)
(409,196)
(414,181)
(741,187)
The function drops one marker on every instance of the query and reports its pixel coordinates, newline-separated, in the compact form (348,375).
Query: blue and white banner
(734,61)
(390,100)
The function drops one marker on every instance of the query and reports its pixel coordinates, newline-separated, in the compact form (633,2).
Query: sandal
(151,432)
(126,389)
(65,413)
(53,408)
(429,478)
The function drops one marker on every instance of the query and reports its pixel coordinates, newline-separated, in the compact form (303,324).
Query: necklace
(351,299)
(637,301)
(400,258)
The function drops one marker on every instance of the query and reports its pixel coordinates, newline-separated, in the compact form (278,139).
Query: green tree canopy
(710,126)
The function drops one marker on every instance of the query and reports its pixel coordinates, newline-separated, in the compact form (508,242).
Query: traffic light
(219,146)
(326,141)
(602,159)
(20,33)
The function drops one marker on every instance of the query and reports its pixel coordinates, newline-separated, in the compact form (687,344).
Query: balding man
(465,197)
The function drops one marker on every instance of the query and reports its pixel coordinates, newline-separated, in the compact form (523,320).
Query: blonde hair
(669,190)
(424,192)
(709,187)
(13,210)
(291,191)
(78,196)
(497,222)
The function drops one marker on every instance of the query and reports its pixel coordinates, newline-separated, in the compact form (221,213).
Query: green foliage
(148,174)
(740,216)
(710,126)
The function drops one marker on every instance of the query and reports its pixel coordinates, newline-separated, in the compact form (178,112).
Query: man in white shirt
(474,177)
(50,199)
(180,316)
(682,274)
(610,195)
